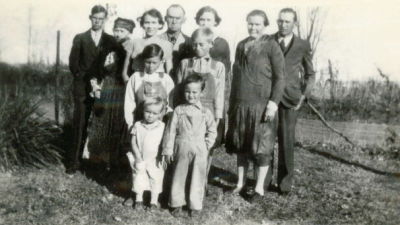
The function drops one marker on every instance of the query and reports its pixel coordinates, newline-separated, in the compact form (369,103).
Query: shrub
(26,138)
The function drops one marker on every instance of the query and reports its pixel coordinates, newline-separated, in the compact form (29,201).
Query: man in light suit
(175,17)
(300,77)
(86,61)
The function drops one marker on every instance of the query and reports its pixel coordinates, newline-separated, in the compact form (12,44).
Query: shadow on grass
(329,155)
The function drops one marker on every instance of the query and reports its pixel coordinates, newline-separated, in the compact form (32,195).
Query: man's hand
(270,112)
(298,106)
(128,46)
(168,159)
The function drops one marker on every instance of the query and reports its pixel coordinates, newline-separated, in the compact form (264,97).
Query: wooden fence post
(56,71)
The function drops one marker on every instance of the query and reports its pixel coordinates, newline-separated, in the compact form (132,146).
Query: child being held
(148,172)
(190,134)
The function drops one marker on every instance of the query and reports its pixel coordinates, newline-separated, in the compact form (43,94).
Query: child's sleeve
(130,103)
(211,132)
(170,134)
(169,87)
(220,91)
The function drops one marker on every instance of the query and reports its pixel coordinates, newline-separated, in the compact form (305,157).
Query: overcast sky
(358,36)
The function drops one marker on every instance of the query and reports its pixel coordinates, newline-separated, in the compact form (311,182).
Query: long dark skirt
(108,134)
(248,134)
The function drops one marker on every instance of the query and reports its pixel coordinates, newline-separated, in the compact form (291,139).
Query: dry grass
(326,191)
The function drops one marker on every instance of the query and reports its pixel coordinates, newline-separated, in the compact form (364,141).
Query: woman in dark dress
(107,128)
(257,86)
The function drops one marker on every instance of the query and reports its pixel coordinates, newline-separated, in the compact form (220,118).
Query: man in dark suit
(86,61)
(175,17)
(300,77)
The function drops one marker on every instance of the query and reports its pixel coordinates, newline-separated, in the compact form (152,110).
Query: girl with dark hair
(147,83)
(151,22)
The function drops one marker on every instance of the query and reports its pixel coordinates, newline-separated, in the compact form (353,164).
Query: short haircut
(154,101)
(153,13)
(203,31)
(195,78)
(208,9)
(176,6)
(152,50)
(289,10)
(98,9)
(260,13)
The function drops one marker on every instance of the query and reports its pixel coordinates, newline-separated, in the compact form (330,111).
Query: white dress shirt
(96,35)
(287,39)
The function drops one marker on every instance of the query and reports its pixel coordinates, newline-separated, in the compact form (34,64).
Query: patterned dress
(258,78)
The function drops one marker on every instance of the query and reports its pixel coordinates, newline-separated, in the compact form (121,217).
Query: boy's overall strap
(213,64)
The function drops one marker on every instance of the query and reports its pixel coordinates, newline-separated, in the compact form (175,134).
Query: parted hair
(208,9)
(260,13)
(98,9)
(153,13)
(152,50)
(290,10)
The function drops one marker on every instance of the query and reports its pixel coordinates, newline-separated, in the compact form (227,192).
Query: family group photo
(215,112)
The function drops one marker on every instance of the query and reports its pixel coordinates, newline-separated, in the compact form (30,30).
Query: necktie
(282,45)
(173,40)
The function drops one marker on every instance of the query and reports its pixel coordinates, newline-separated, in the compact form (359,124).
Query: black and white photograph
(211,112)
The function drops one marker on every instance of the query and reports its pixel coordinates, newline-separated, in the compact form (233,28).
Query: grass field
(328,189)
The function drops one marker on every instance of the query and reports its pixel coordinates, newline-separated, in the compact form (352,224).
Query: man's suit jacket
(300,75)
(86,60)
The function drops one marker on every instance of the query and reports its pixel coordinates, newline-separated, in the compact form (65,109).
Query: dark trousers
(286,139)
(82,107)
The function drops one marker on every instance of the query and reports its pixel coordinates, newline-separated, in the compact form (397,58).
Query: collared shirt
(179,39)
(203,65)
(190,121)
(96,35)
(287,39)
(133,85)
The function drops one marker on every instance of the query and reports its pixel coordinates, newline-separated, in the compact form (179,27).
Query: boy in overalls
(189,136)
(213,73)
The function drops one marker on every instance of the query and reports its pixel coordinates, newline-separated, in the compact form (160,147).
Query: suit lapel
(90,43)
(294,44)
(291,47)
